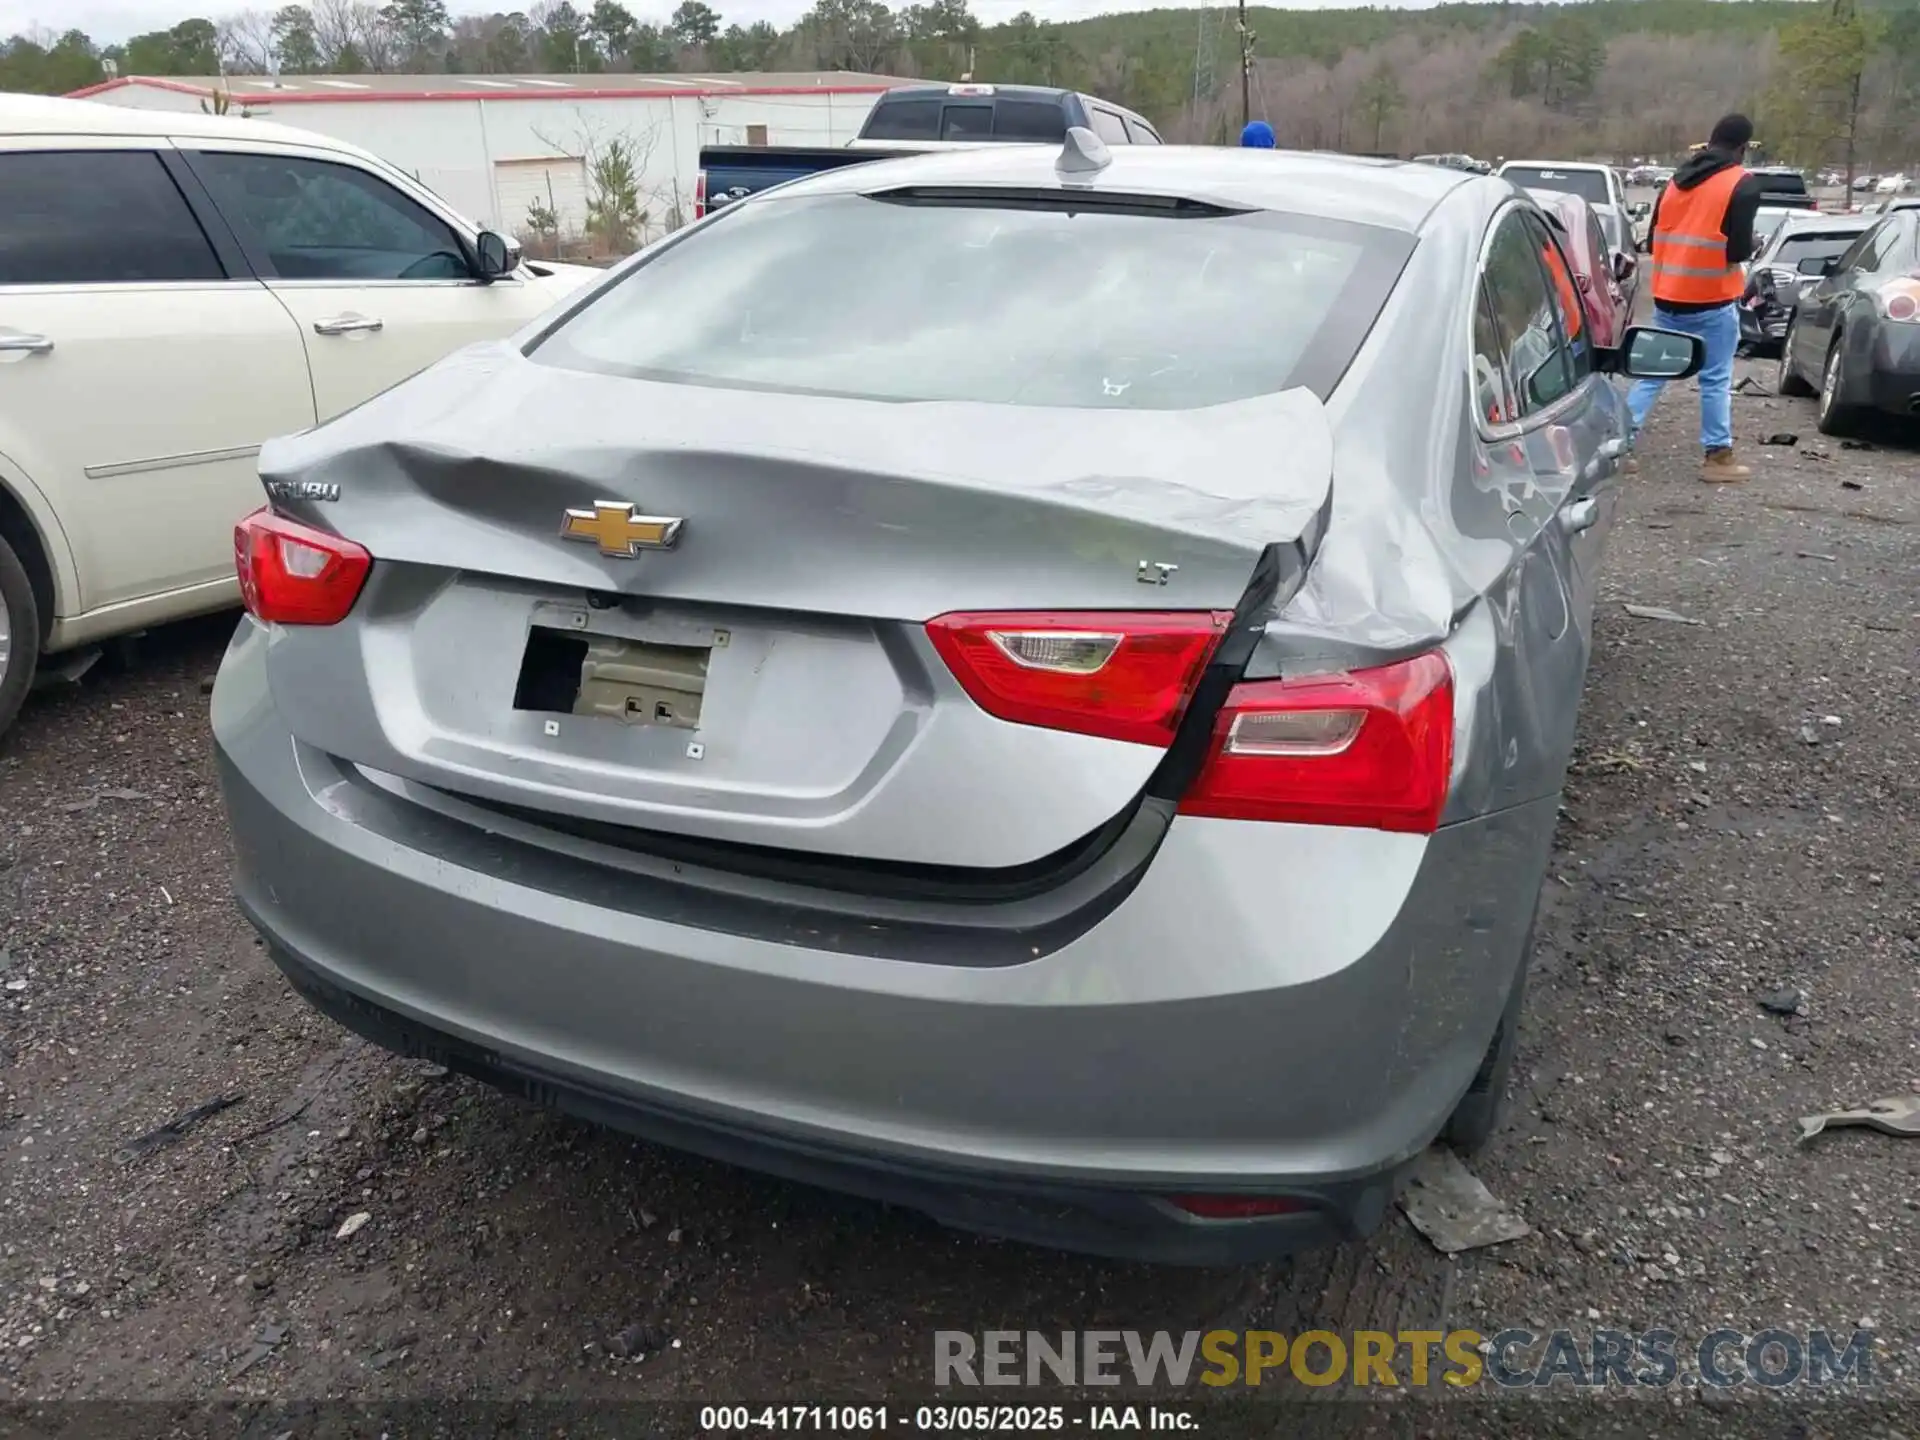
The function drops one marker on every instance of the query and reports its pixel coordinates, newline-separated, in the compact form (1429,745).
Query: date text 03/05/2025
(962,1419)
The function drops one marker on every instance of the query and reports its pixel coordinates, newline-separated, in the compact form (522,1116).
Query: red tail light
(292,574)
(1123,675)
(699,194)
(1369,748)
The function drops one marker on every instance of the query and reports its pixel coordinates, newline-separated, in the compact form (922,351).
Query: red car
(1596,271)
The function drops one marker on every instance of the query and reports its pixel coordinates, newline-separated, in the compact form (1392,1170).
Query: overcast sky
(108,21)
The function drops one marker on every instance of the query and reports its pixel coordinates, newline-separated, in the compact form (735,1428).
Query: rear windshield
(1036,120)
(1589,185)
(1772,184)
(1813,246)
(1003,303)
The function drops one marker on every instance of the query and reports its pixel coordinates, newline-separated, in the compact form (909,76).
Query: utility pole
(1246,68)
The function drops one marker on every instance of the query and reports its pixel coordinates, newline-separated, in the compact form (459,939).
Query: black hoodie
(1738,224)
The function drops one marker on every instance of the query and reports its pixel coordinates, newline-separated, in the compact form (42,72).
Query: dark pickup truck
(916,118)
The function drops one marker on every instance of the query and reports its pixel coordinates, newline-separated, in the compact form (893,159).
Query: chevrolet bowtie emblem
(612,525)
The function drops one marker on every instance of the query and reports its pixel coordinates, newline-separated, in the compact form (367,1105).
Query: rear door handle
(347,324)
(1578,515)
(18,342)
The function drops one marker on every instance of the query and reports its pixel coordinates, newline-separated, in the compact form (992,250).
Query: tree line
(1827,80)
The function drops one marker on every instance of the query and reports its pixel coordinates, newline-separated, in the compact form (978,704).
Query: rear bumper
(1763,328)
(1272,1010)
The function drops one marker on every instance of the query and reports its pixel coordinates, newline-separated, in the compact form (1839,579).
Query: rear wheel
(1836,416)
(19,635)
(1480,1110)
(1788,381)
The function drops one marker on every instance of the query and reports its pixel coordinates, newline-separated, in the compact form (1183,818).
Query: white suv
(175,289)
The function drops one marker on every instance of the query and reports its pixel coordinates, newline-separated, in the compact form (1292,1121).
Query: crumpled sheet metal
(809,502)
(1409,549)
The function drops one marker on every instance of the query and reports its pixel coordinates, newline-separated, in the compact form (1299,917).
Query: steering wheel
(421,269)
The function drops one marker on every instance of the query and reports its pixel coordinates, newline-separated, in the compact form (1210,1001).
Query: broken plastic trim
(1018,197)
(1277,576)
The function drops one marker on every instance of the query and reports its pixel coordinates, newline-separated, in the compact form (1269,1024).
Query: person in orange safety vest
(1702,233)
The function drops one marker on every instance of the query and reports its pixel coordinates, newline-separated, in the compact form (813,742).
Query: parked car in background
(913,119)
(1784,188)
(1604,275)
(1892,203)
(1767,220)
(1890,185)
(1454,162)
(1775,276)
(1599,185)
(175,289)
(789,755)
(1854,339)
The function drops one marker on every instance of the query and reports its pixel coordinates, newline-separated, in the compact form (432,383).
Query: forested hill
(1604,77)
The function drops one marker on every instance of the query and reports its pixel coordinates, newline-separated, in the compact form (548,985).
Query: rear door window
(97,217)
(1141,133)
(1108,126)
(1527,315)
(1033,120)
(903,120)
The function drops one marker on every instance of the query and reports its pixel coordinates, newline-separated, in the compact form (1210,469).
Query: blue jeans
(1720,329)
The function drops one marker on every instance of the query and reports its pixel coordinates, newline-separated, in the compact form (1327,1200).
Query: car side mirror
(1647,353)
(498,255)
(1624,265)
(1640,209)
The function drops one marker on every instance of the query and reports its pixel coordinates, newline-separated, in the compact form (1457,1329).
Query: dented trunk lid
(765,678)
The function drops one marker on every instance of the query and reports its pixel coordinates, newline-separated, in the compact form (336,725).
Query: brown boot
(1720,468)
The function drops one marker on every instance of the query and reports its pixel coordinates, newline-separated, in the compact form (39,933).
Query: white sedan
(174,290)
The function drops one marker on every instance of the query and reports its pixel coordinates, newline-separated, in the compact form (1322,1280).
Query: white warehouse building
(494,145)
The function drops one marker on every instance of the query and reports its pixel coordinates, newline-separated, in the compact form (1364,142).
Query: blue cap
(1258,134)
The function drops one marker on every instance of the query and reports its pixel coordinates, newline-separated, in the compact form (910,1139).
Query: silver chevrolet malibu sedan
(1027,683)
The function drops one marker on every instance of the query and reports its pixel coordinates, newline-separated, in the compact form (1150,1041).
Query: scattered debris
(1896,1115)
(65,669)
(177,1128)
(1858,445)
(1810,735)
(1831,721)
(1851,485)
(1782,437)
(1448,1205)
(1747,385)
(1659,524)
(1883,629)
(16,985)
(1788,1000)
(430,1070)
(352,1224)
(74,807)
(266,1339)
(1816,555)
(389,1357)
(1660,612)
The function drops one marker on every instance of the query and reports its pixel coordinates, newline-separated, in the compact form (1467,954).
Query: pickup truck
(916,118)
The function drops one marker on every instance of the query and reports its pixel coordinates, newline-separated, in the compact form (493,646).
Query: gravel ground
(1744,817)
